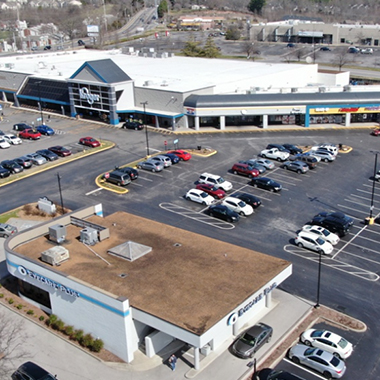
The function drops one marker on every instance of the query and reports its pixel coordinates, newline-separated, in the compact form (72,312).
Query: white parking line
(94,191)
(287,176)
(357,203)
(361,257)
(353,238)
(303,368)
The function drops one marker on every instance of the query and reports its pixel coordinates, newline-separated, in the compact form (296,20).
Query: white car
(313,242)
(324,233)
(199,196)
(237,205)
(4,144)
(327,341)
(12,139)
(329,147)
(324,155)
(275,154)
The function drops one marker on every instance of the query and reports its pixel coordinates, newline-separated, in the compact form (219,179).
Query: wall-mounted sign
(85,94)
(44,280)
(344,110)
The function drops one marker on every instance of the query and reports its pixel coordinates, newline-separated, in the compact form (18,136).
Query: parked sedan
(25,162)
(324,233)
(133,124)
(266,183)
(223,212)
(182,154)
(32,371)
(313,242)
(45,130)
(249,199)
(166,161)
(322,361)
(7,230)
(60,151)
(153,166)
(89,141)
(327,341)
(296,166)
(248,343)
(266,163)
(214,191)
(12,166)
(3,143)
(12,139)
(199,196)
(30,134)
(324,155)
(275,374)
(237,205)
(4,173)
(293,149)
(36,158)
(173,158)
(48,154)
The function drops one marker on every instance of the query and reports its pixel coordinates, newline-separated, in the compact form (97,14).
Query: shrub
(1,286)
(68,330)
(30,312)
(86,341)
(58,325)
(52,319)
(97,345)
(41,318)
(28,209)
(19,306)
(1,295)
(78,334)
(10,301)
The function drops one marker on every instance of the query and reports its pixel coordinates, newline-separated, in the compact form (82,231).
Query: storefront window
(36,294)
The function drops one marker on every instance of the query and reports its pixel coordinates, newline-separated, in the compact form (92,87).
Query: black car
(335,222)
(133,173)
(47,47)
(26,163)
(251,340)
(280,147)
(4,173)
(292,148)
(249,199)
(1,133)
(223,212)
(174,159)
(266,183)
(133,124)
(325,48)
(48,154)
(81,43)
(275,374)
(32,371)
(21,127)
(12,166)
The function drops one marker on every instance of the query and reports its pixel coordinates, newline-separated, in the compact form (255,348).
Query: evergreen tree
(192,48)
(210,50)
(256,6)
(162,8)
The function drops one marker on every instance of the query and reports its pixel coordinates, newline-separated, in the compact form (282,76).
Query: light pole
(371,221)
(146,129)
(60,192)
(316,306)
(40,102)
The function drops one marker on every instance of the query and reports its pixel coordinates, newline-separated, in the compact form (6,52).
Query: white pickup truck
(274,154)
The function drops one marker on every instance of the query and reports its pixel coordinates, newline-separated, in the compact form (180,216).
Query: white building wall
(336,79)
(127,99)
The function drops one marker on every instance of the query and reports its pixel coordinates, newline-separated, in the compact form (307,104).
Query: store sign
(44,280)
(351,109)
(190,111)
(323,109)
(232,319)
(85,94)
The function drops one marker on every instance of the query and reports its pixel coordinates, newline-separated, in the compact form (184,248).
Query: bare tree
(12,340)
(342,58)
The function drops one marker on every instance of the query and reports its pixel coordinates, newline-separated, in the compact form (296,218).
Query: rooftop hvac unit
(347,88)
(89,236)
(294,89)
(322,89)
(55,255)
(57,233)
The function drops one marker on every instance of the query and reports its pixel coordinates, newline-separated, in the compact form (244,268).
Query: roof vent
(130,250)
(177,245)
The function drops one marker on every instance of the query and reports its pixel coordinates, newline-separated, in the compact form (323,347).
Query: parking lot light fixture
(316,306)
(40,102)
(146,130)
(371,218)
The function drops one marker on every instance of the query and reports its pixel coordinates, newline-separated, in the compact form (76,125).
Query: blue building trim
(86,64)
(151,113)
(37,99)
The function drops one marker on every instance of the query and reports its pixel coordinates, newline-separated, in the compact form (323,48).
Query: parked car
(12,139)
(274,154)
(60,151)
(89,141)
(325,155)
(250,341)
(215,180)
(353,50)
(7,230)
(249,199)
(275,374)
(48,154)
(296,166)
(166,161)
(12,166)
(153,166)
(245,169)
(30,134)
(25,162)
(45,130)
(36,158)
(266,183)
(21,126)
(32,371)
(223,212)
(212,190)
(376,132)
(182,154)
(314,242)
(237,205)
(335,222)
(290,45)
(377,176)
(81,43)
(310,154)
(293,149)
(322,361)
(254,164)
(328,341)
(173,158)
(366,51)
(133,124)
(118,178)
(324,233)
(332,148)
(1,133)
(199,196)
(325,48)
(266,163)
(133,173)
(3,143)
(311,161)
(4,173)
(280,147)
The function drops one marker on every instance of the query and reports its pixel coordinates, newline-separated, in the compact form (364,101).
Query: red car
(212,190)
(30,134)
(376,132)
(184,156)
(89,141)
(245,169)
(60,151)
